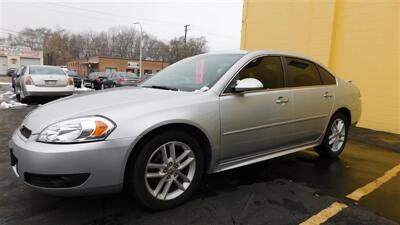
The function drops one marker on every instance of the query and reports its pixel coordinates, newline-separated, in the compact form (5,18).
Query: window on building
(326,77)
(148,71)
(110,69)
(302,73)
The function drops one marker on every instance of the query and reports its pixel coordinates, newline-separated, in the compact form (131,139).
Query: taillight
(97,79)
(70,81)
(29,81)
(121,79)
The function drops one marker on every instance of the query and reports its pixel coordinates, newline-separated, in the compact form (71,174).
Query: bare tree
(60,46)
(194,46)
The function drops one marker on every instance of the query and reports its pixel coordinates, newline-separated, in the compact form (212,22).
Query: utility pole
(186,30)
(140,50)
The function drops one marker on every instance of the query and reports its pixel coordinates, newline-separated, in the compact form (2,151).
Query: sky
(219,20)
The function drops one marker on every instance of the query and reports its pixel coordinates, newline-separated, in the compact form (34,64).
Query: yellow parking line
(356,195)
(325,214)
(368,188)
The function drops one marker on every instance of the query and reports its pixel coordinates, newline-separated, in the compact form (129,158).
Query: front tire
(335,138)
(166,171)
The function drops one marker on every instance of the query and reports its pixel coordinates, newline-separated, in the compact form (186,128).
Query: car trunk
(45,80)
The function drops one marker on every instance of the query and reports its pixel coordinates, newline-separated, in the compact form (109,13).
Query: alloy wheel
(338,134)
(170,170)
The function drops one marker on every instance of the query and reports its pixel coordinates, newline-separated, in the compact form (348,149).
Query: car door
(256,121)
(312,100)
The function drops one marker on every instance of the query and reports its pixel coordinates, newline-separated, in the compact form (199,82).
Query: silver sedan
(35,80)
(204,114)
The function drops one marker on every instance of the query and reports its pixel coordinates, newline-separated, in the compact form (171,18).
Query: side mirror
(248,84)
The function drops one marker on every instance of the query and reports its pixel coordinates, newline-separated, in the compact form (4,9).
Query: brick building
(16,56)
(110,64)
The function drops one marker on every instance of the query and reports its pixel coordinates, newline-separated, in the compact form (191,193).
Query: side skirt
(250,159)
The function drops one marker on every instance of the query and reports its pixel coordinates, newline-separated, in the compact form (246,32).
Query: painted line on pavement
(368,188)
(356,195)
(325,214)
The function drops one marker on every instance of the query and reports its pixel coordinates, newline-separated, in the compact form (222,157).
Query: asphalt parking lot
(286,190)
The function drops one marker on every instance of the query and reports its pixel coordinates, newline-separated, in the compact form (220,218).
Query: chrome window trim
(285,77)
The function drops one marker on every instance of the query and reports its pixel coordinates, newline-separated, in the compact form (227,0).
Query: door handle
(327,95)
(281,100)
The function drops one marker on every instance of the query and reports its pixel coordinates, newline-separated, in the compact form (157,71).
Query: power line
(13,31)
(155,22)
(112,14)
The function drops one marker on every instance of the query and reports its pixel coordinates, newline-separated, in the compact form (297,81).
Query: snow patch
(82,89)
(12,104)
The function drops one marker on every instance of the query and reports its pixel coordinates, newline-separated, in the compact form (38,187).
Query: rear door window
(302,73)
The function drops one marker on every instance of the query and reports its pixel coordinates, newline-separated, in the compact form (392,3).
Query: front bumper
(103,164)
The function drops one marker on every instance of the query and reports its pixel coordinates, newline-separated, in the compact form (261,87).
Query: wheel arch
(345,111)
(190,128)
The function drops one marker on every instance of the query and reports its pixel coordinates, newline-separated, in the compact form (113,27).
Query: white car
(43,81)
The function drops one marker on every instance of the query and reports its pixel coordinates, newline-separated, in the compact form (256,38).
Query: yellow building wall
(358,40)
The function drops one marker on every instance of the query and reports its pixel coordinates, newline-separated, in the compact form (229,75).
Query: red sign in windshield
(199,72)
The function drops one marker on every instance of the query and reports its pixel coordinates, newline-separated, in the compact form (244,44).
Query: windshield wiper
(161,87)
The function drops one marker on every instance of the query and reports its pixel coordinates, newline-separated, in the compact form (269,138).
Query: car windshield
(131,76)
(93,75)
(45,70)
(193,73)
(104,74)
(72,73)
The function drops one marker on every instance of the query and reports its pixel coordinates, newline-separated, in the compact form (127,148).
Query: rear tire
(158,179)
(22,98)
(335,138)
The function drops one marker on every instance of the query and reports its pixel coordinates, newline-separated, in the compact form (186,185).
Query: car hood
(138,100)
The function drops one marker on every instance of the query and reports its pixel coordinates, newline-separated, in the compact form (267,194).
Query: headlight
(84,129)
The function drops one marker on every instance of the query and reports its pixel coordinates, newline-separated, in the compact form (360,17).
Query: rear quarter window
(326,77)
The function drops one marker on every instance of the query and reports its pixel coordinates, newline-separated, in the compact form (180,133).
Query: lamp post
(140,50)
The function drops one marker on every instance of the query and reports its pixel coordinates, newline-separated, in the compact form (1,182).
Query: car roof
(44,66)
(268,52)
(261,52)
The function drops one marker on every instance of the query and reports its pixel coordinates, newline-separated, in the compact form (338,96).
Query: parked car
(77,79)
(119,79)
(95,80)
(204,114)
(146,77)
(33,81)
(12,72)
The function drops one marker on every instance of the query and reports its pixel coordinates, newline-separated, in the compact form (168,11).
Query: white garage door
(3,65)
(29,61)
